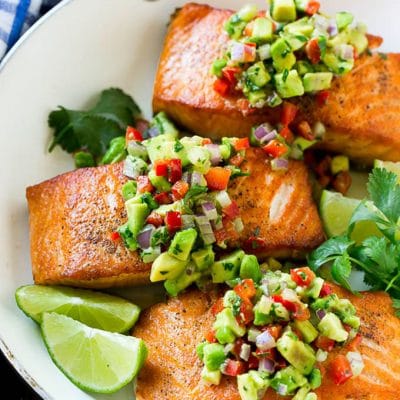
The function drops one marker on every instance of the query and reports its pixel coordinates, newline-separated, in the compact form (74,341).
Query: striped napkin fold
(16,16)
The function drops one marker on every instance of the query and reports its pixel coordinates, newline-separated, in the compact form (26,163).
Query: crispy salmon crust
(73,216)
(362,114)
(172,370)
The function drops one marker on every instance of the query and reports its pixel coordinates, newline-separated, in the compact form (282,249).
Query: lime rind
(94,360)
(98,310)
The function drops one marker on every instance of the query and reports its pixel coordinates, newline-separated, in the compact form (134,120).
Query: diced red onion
(187,221)
(266,365)
(205,229)
(196,179)
(290,295)
(238,223)
(265,132)
(321,23)
(280,164)
(209,211)
(269,136)
(320,313)
(228,348)
(153,131)
(332,28)
(215,153)
(265,341)
(264,52)
(282,389)
(245,351)
(321,355)
(142,125)
(143,238)
(241,52)
(223,198)
(356,362)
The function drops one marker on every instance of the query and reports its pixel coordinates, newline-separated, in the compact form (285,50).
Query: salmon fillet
(362,114)
(73,215)
(172,370)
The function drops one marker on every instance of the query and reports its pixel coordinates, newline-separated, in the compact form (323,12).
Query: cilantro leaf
(341,270)
(382,253)
(92,130)
(329,250)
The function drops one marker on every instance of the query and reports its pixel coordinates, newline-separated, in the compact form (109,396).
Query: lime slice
(94,360)
(390,166)
(95,309)
(336,211)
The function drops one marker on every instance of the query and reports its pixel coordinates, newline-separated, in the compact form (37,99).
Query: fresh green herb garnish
(377,257)
(92,130)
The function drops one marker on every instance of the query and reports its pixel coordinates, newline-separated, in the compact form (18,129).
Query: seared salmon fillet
(172,370)
(362,114)
(72,217)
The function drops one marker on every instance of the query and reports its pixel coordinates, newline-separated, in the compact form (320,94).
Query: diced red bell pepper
(175,170)
(325,290)
(253,362)
(302,313)
(155,219)
(229,73)
(222,86)
(302,276)
(324,343)
(246,289)
(304,129)
(246,313)
(340,370)
(206,141)
(241,144)
(210,336)
(289,305)
(218,306)
(312,7)
(173,221)
(142,125)
(254,243)
(322,97)
(275,149)
(289,111)
(179,189)
(115,236)
(232,211)
(234,367)
(287,134)
(161,168)
(236,160)
(218,178)
(133,134)
(274,330)
(313,51)
(250,53)
(355,343)
(143,184)
(270,354)
(163,198)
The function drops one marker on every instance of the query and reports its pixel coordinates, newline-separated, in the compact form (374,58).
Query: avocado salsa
(287,51)
(274,330)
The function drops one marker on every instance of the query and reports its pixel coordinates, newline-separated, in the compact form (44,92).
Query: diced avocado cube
(296,352)
(200,350)
(250,268)
(200,158)
(247,12)
(331,327)
(212,377)
(225,321)
(289,85)
(182,244)
(184,280)
(147,198)
(164,125)
(289,377)
(159,182)
(303,67)
(296,42)
(283,10)
(213,356)
(203,258)
(339,164)
(352,320)
(358,40)
(311,396)
(175,206)
(227,268)
(316,81)
(134,166)
(251,384)
(302,393)
(166,267)
(315,288)
(315,378)
(262,311)
(157,146)
(282,55)
(129,190)
(343,20)
(137,214)
(342,307)
(303,144)
(274,100)
(218,66)
(150,254)
(232,300)
(256,96)
(128,237)
(262,30)
(301,5)
(258,74)
(302,26)
(225,151)
(307,330)
(337,65)
(281,312)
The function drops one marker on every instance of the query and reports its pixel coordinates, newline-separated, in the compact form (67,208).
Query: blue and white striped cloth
(16,16)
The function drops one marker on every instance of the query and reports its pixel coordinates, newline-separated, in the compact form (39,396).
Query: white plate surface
(79,49)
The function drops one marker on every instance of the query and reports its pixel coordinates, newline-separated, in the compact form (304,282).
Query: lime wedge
(95,309)
(94,360)
(390,166)
(336,211)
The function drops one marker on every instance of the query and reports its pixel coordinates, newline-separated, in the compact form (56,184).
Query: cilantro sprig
(377,257)
(91,131)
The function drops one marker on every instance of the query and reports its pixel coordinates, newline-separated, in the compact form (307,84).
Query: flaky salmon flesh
(362,114)
(72,218)
(172,331)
